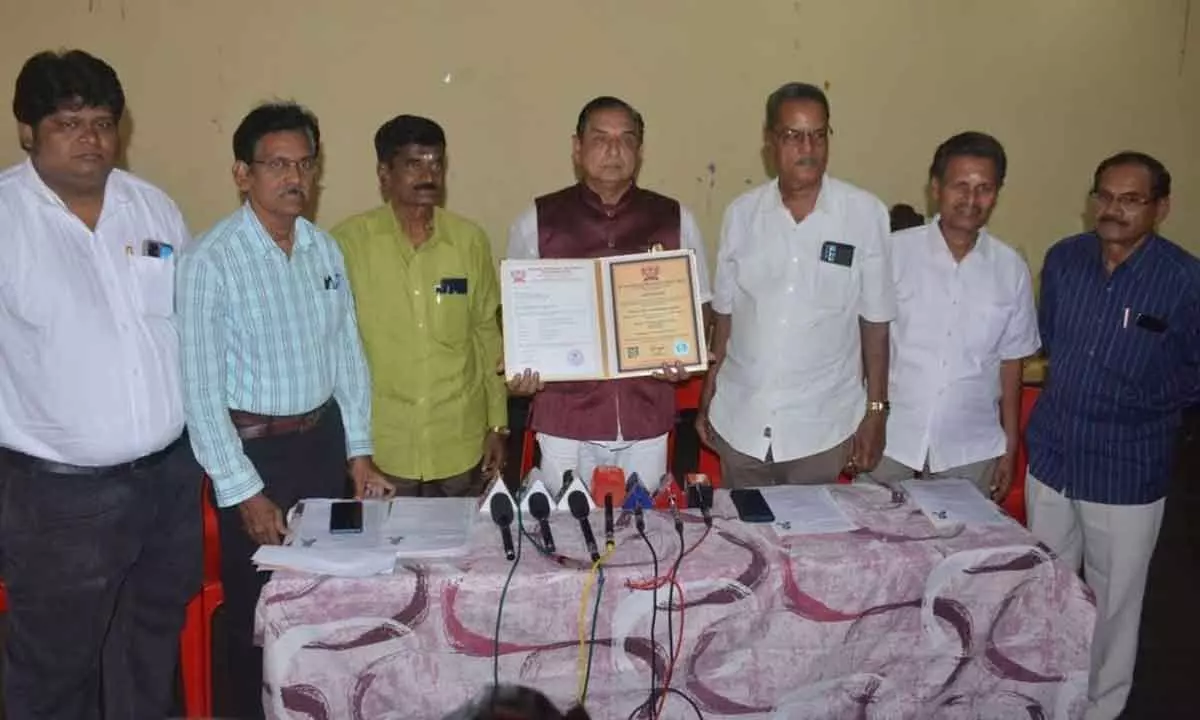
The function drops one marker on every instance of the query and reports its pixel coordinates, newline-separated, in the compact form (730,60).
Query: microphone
(502,515)
(580,508)
(539,508)
(639,520)
(675,514)
(609,543)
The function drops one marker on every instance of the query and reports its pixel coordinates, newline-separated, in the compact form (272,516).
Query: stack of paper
(400,528)
(953,501)
(806,510)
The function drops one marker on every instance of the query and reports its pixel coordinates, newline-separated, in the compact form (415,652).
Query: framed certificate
(602,318)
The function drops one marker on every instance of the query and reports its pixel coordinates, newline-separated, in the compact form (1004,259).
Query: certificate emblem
(681,348)
(575,358)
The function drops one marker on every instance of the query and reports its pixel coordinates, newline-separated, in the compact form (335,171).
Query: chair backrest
(1014,504)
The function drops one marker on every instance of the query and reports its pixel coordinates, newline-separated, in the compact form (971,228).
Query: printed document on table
(953,501)
(806,510)
(311,547)
(430,527)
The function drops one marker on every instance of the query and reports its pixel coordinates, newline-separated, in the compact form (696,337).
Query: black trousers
(98,572)
(292,467)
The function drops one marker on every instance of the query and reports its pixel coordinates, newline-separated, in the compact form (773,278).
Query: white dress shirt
(792,378)
(955,323)
(89,363)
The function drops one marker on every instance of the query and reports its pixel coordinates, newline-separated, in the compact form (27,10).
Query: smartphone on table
(346,517)
(751,506)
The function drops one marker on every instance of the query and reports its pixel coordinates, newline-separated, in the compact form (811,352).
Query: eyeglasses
(796,136)
(1126,203)
(278,166)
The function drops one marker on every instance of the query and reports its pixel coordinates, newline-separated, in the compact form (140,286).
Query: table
(893,620)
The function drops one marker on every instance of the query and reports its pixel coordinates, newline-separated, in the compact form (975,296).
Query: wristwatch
(501,431)
(879,406)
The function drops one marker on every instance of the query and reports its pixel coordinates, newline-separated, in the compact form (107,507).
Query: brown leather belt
(251,426)
(21,460)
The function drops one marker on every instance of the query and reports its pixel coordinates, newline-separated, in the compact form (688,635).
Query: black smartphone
(751,506)
(345,517)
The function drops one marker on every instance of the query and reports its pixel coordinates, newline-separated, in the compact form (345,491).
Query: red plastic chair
(195,642)
(1014,504)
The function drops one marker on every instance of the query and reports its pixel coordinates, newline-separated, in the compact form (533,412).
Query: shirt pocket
(450,317)
(1134,352)
(834,288)
(153,285)
(984,328)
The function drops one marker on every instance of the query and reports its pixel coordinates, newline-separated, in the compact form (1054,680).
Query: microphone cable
(596,575)
(500,605)
(653,618)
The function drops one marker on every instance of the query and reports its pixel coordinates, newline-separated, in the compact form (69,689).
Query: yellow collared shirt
(429,325)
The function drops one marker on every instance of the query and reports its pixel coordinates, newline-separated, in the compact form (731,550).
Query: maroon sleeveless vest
(574,223)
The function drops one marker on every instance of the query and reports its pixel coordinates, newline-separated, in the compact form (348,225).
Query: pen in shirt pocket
(1125,322)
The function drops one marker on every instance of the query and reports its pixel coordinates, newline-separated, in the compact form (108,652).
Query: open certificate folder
(602,318)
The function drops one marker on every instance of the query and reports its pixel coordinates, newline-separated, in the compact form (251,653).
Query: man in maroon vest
(582,425)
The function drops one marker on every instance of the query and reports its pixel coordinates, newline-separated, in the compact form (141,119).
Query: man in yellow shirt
(427,298)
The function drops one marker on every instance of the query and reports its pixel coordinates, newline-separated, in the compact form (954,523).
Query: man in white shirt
(100,527)
(965,322)
(802,301)
(623,423)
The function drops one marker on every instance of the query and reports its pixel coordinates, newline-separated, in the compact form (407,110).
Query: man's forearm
(875,358)
(1010,402)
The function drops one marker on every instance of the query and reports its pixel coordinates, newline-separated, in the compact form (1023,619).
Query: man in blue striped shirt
(1120,323)
(276,389)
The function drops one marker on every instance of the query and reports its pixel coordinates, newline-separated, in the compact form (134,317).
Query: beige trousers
(1114,544)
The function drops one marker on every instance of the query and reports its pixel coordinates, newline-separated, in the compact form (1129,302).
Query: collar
(592,199)
(116,190)
(983,243)
(1136,260)
(302,230)
(391,225)
(826,198)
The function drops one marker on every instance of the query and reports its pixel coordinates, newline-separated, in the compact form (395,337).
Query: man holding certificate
(803,298)
(620,422)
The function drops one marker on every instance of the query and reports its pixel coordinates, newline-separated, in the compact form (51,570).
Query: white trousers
(647,458)
(1114,544)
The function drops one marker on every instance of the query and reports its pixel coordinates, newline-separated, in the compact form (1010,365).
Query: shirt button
(420,325)
(791,288)
(416,292)
(795,259)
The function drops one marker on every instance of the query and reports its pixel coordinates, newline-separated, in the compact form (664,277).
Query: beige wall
(1061,82)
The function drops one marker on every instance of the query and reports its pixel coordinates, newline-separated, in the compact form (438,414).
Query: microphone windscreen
(578,503)
(502,509)
(539,506)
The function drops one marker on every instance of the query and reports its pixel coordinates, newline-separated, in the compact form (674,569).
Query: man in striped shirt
(1120,323)
(276,389)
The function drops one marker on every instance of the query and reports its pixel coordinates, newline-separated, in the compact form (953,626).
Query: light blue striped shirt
(265,334)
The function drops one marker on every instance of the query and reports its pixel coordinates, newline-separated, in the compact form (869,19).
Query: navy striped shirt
(1124,355)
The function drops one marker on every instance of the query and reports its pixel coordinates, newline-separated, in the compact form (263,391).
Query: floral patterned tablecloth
(895,620)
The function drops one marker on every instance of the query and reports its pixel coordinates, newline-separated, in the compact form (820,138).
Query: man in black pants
(99,492)
(275,381)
